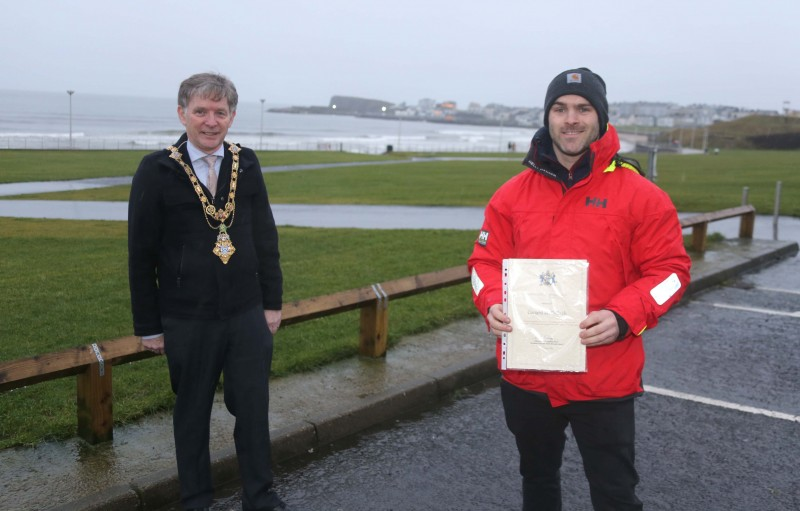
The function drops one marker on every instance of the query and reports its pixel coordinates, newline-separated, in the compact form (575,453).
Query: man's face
(574,125)
(207,122)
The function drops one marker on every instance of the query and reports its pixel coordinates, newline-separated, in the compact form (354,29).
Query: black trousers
(197,352)
(604,432)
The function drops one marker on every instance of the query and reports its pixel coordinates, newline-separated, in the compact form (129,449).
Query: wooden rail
(699,224)
(92,364)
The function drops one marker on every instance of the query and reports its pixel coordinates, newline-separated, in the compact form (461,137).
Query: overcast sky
(301,52)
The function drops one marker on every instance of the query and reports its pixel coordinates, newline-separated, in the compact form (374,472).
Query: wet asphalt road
(719,428)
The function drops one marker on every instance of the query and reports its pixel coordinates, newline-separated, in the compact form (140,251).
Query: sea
(50,120)
(53,120)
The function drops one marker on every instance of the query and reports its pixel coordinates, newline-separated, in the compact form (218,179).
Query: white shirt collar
(195,153)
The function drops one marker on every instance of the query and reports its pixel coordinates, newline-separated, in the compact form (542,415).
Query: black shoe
(281,507)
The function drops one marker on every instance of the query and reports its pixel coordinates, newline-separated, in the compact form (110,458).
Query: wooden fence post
(699,232)
(746,224)
(374,328)
(95,403)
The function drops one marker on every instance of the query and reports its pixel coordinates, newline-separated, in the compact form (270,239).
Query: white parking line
(756,309)
(778,290)
(722,404)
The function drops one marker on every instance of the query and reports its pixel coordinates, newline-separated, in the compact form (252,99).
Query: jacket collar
(541,157)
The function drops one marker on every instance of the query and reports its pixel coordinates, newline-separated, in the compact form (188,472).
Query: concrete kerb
(742,255)
(159,489)
(121,498)
(419,394)
(374,410)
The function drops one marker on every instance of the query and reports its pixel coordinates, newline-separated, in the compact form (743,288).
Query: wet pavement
(298,215)
(7,189)
(358,216)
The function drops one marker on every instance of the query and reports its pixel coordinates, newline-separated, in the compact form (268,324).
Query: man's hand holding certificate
(546,301)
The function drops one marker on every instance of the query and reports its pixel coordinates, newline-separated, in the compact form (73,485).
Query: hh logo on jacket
(596,202)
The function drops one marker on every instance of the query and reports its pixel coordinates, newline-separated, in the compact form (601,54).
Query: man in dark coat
(206,287)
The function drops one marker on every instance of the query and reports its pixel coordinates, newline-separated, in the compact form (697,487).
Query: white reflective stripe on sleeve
(477,283)
(664,291)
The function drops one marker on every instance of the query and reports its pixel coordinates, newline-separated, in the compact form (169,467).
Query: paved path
(299,215)
(355,216)
(319,215)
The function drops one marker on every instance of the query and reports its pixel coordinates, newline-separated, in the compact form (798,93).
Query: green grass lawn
(21,165)
(708,182)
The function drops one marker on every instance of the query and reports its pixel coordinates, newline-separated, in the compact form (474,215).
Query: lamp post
(70,92)
(261,131)
(500,140)
(399,130)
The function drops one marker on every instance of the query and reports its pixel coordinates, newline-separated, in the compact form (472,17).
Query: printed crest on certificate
(546,300)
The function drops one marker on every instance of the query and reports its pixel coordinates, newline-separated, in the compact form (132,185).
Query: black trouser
(198,351)
(604,432)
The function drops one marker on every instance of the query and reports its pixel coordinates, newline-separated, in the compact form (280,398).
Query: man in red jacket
(578,199)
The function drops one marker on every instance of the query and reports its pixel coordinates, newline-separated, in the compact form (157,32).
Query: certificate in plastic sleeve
(546,301)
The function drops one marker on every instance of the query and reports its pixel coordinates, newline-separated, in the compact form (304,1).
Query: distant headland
(427,110)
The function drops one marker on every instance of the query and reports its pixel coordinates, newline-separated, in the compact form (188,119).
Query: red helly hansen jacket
(628,230)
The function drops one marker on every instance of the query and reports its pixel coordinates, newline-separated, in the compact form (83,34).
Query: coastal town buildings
(623,114)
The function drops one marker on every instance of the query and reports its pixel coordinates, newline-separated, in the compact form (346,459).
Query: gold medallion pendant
(223,248)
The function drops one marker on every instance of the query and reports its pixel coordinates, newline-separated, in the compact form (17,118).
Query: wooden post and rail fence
(93,364)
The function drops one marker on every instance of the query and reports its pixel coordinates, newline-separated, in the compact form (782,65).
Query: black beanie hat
(581,82)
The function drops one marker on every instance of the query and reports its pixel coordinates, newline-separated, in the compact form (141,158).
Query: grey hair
(212,86)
